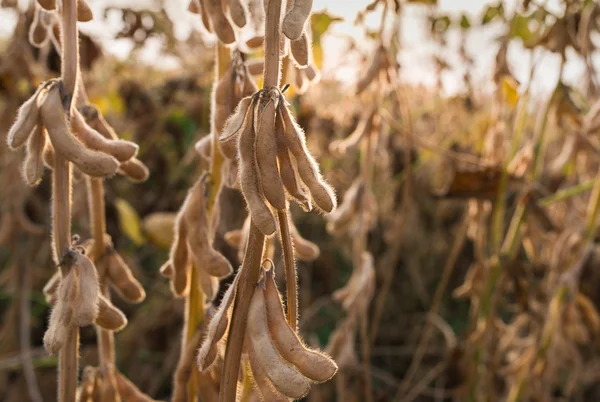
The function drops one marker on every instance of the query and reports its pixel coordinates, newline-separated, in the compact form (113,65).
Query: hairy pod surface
(250,181)
(237,10)
(61,318)
(295,18)
(135,170)
(262,382)
(123,281)
(220,23)
(301,50)
(217,327)
(128,390)
(285,377)
(47,4)
(38,33)
(378,63)
(266,148)
(239,121)
(33,166)
(27,118)
(119,149)
(92,163)
(109,317)
(86,304)
(204,147)
(311,363)
(84,12)
(364,128)
(209,284)
(321,192)
(305,249)
(180,258)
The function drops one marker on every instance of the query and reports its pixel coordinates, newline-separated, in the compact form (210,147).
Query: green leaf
(320,23)
(464,22)
(440,25)
(129,221)
(520,28)
(491,13)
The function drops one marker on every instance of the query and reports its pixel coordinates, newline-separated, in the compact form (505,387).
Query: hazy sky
(416,57)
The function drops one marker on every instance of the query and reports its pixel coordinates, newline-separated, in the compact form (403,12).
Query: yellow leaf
(129,221)
(159,228)
(510,90)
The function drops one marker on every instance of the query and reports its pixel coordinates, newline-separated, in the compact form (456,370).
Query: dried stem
(272,33)
(239,318)
(291,276)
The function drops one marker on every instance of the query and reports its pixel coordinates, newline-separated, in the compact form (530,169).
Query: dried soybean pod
(265,387)
(312,73)
(109,317)
(203,147)
(286,168)
(61,318)
(47,4)
(300,81)
(255,67)
(167,270)
(84,12)
(194,7)
(128,390)
(135,170)
(250,181)
(237,12)
(305,250)
(180,258)
(233,238)
(294,20)
(220,23)
(217,327)
(255,42)
(51,287)
(86,305)
(377,63)
(198,235)
(28,117)
(347,209)
(205,17)
(266,148)
(209,284)
(89,162)
(123,280)
(120,149)
(286,378)
(310,363)
(33,166)
(301,50)
(365,126)
(234,126)
(38,33)
(308,169)
(184,367)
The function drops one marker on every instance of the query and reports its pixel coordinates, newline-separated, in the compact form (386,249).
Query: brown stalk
(61,183)
(291,276)
(256,240)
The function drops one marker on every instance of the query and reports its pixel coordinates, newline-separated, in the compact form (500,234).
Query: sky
(415,58)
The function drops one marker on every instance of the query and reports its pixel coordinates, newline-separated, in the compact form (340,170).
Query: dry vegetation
(455,260)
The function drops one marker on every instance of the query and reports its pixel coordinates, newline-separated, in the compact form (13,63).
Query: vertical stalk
(291,278)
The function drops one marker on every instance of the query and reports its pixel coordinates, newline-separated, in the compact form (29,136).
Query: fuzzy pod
(295,18)
(255,42)
(109,317)
(199,233)
(86,306)
(220,23)
(311,363)
(312,73)
(205,17)
(255,66)
(209,284)
(286,167)
(28,117)
(238,12)
(123,281)
(84,12)
(47,4)
(301,83)
(184,368)
(51,288)
(266,149)
(364,128)
(240,120)
(204,147)
(217,327)
(262,382)
(231,174)
(301,50)
(92,163)
(135,170)
(222,100)
(61,318)
(166,270)
(179,258)
(305,250)
(378,63)
(347,210)
(250,181)
(38,33)
(119,149)
(322,194)
(233,238)
(33,165)
(359,290)
(285,377)
(194,7)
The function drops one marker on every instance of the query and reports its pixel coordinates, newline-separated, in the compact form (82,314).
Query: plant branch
(291,277)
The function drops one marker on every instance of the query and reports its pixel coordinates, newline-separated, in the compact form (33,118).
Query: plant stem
(291,277)
(272,33)
(70,54)
(239,318)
